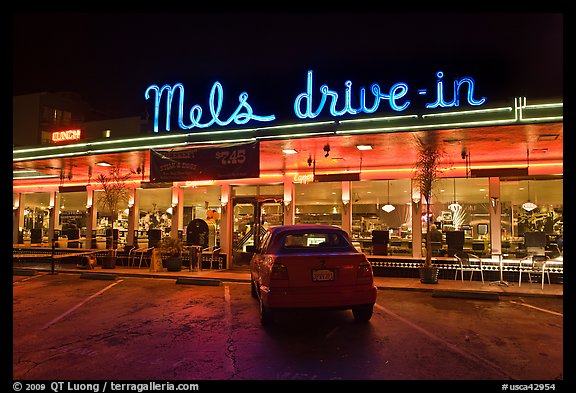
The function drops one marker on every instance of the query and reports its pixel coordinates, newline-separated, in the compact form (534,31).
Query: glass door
(252,217)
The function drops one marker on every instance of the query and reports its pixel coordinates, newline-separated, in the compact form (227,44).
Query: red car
(311,266)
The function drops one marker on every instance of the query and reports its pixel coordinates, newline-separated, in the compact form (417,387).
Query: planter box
(174,264)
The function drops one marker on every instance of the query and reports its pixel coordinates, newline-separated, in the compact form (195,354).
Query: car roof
(304,227)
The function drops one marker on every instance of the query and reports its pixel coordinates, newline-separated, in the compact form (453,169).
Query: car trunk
(322,269)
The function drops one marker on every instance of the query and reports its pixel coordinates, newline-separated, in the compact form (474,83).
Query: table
(501,265)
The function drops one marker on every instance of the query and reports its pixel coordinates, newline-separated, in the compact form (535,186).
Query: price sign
(212,163)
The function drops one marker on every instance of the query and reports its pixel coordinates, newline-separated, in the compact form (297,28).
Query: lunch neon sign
(364,101)
(68,135)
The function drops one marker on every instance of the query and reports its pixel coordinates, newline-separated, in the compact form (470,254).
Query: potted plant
(428,159)
(171,247)
(115,194)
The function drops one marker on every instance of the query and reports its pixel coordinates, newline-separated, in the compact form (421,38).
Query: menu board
(236,161)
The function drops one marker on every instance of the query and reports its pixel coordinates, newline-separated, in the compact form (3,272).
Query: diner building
(501,176)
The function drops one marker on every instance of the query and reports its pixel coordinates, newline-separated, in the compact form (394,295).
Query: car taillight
(278,271)
(364,271)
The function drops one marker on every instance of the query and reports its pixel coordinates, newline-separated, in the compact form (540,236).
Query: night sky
(110,59)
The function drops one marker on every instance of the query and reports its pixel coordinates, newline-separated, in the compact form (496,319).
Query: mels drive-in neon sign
(308,104)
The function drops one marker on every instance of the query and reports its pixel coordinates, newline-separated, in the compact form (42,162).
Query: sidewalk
(444,287)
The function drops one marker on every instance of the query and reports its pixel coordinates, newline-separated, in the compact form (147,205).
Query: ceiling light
(103,163)
(388,208)
(289,151)
(364,147)
(529,206)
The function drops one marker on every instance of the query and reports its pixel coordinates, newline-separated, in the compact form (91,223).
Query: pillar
(131,239)
(90,218)
(54,209)
(289,210)
(17,216)
(495,208)
(177,210)
(347,207)
(226,222)
(416,207)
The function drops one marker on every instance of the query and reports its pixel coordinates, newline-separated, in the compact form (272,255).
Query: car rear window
(320,241)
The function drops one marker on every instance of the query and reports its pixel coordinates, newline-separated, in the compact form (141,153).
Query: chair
(215,258)
(470,263)
(436,248)
(537,265)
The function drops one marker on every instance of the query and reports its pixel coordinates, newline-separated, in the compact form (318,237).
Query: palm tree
(427,165)
(115,194)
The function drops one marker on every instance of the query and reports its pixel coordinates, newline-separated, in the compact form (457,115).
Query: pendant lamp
(388,207)
(529,206)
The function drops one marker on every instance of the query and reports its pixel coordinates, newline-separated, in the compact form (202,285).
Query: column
(131,239)
(54,209)
(495,209)
(226,222)
(17,216)
(90,219)
(289,200)
(416,207)
(177,210)
(347,207)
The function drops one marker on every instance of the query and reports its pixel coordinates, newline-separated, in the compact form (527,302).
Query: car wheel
(266,315)
(363,313)
(253,291)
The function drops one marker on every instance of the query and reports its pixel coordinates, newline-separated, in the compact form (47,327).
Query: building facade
(501,173)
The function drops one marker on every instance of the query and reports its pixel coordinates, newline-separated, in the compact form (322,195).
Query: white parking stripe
(537,308)
(52,322)
(466,354)
(230,348)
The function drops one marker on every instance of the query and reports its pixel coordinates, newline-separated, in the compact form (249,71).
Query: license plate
(322,275)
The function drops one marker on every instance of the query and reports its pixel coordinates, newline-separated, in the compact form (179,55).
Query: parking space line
(468,355)
(230,366)
(537,308)
(52,322)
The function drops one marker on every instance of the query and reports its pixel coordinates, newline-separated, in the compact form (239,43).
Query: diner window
(382,205)
(531,205)
(318,203)
(460,205)
(105,221)
(154,214)
(202,202)
(36,216)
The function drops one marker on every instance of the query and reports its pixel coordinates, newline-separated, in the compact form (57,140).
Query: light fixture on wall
(388,207)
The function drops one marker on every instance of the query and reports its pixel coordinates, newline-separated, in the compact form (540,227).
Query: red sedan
(311,266)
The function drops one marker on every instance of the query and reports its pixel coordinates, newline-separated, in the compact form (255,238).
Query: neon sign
(396,93)
(395,97)
(306,104)
(68,135)
(242,115)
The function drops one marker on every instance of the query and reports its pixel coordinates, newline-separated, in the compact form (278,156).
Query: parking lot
(67,328)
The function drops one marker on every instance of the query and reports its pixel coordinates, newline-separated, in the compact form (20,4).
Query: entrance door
(252,217)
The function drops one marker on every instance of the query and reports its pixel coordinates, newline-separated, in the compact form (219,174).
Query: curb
(482,295)
(24,272)
(99,276)
(199,281)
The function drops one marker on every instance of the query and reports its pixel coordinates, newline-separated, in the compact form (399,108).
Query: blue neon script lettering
(456,98)
(396,93)
(242,115)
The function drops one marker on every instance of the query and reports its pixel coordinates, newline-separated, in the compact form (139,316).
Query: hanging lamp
(454,206)
(388,207)
(528,206)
